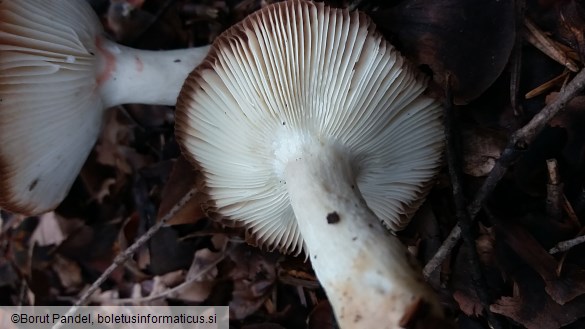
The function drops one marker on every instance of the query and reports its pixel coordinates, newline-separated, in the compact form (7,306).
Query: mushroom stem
(127,75)
(370,278)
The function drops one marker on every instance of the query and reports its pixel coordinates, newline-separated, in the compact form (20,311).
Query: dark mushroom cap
(471,41)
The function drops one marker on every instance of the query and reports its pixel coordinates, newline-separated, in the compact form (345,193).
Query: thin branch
(128,252)
(442,253)
(545,44)
(177,288)
(519,142)
(554,191)
(479,283)
(567,245)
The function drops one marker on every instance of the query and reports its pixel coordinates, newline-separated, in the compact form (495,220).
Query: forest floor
(519,179)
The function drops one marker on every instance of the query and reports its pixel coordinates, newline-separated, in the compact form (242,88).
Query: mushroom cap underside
(50,112)
(299,70)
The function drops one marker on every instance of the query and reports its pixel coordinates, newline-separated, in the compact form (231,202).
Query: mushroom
(57,75)
(443,36)
(313,132)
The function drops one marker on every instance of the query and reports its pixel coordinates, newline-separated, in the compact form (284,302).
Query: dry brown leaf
(562,289)
(126,20)
(19,249)
(69,273)
(481,149)
(201,276)
(181,180)
(469,305)
(173,278)
(254,276)
(485,245)
(49,231)
(534,309)
(322,316)
(572,24)
(113,147)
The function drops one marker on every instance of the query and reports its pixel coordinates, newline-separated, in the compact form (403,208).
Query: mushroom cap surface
(50,109)
(300,72)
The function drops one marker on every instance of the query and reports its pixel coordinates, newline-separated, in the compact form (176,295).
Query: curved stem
(369,276)
(127,75)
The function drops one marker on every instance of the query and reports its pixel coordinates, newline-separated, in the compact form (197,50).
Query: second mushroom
(312,131)
(58,74)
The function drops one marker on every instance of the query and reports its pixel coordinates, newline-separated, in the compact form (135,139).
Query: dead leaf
(254,276)
(201,275)
(572,24)
(183,177)
(322,316)
(19,249)
(470,305)
(49,231)
(481,149)
(69,273)
(534,309)
(173,278)
(562,289)
(485,245)
(114,145)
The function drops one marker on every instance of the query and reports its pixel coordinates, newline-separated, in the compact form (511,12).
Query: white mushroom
(310,129)
(57,75)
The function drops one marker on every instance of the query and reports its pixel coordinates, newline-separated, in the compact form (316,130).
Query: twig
(548,46)
(543,88)
(516,59)
(163,10)
(23,293)
(127,253)
(442,253)
(567,245)
(166,293)
(519,141)
(479,282)
(554,191)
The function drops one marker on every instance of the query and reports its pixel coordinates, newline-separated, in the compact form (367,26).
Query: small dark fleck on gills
(33,184)
(332,218)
